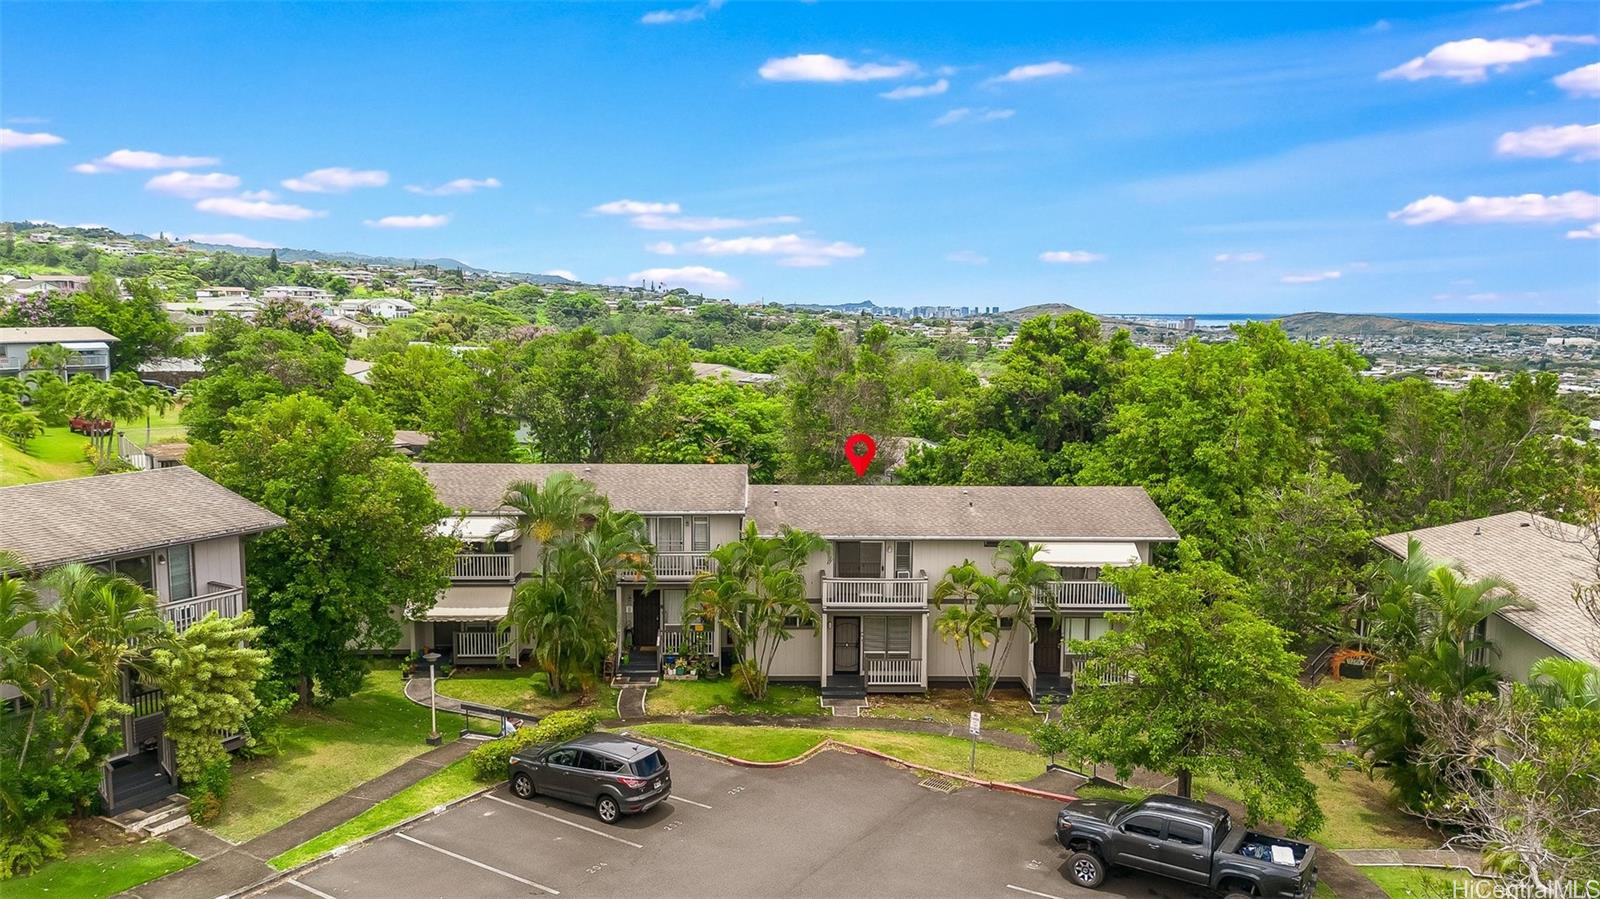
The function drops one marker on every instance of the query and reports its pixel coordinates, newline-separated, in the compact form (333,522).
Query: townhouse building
(172,530)
(89,349)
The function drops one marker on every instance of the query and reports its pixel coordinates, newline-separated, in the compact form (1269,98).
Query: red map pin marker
(859,449)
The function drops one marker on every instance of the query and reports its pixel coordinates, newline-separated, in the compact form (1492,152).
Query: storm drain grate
(940,784)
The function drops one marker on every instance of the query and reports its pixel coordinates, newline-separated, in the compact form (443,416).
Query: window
(1187,834)
(899,637)
(700,534)
(649,765)
(886,636)
(1007,623)
(1144,826)
(180,572)
(136,569)
(859,559)
(669,535)
(603,763)
(566,757)
(902,558)
(791,622)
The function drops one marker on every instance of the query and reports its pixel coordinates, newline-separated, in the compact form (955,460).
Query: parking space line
(559,820)
(690,801)
(472,861)
(1011,886)
(312,890)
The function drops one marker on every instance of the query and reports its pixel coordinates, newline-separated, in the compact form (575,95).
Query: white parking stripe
(472,861)
(312,890)
(1010,886)
(598,833)
(690,801)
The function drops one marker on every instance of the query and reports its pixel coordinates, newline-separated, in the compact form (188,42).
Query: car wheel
(1086,869)
(1240,896)
(522,785)
(608,809)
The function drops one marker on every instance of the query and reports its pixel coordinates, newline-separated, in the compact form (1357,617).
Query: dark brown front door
(1047,646)
(847,646)
(646,619)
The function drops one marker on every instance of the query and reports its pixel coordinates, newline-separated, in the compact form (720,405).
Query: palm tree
(1566,683)
(559,508)
(974,604)
(25,650)
(559,622)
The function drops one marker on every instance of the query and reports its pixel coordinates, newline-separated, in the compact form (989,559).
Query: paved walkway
(630,702)
(1422,858)
(225,867)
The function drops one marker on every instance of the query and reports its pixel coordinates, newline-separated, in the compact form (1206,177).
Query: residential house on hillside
(1544,559)
(90,348)
(218,293)
(62,284)
(242,305)
(173,531)
(382,307)
(315,296)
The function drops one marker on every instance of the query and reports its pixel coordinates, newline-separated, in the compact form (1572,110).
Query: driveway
(837,825)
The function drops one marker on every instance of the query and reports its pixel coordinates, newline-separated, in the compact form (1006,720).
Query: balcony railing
(485,566)
(894,672)
(874,593)
(185,613)
(674,638)
(1072,665)
(147,703)
(479,644)
(1079,595)
(675,566)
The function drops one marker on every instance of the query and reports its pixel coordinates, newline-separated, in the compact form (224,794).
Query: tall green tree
(245,366)
(208,676)
(552,512)
(138,321)
(359,542)
(581,393)
(714,421)
(973,606)
(837,389)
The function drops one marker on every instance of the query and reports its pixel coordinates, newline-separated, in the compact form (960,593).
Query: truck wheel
(1086,870)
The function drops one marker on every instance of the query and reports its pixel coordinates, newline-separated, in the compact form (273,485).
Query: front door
(646,619)
(847,646)
(1047,646)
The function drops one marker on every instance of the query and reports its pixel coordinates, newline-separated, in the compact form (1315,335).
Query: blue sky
(1121,157)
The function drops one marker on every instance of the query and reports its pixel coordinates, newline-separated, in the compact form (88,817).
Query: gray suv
(613,775)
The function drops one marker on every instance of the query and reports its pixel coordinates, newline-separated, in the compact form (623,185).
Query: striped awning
(470,604)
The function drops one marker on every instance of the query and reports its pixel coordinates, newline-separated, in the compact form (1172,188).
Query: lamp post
(433,708)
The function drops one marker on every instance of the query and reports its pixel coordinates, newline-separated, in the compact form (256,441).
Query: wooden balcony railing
(886,672)
(1067,595)
(684,638)
(225,600)
(485,566)
(874,593)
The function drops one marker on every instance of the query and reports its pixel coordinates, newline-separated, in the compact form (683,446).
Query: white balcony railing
(675,566)
(894,672)
(874,593)
(1072,665)
(479,644)
(484,566)
(185,613)
(1079,595)
(677,638)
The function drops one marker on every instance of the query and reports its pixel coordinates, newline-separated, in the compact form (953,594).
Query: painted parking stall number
(736,791)
(595,869)
(671,825)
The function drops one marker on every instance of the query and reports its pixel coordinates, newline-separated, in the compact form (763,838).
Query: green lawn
(436,789)
(524,690)
(325,752)
(1417,883)
(772,744)
(1007,710)
(99,865)
(164,428)
(52,456)
(723,697)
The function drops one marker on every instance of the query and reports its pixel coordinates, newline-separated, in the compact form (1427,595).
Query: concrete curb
(344,848)
(841,746)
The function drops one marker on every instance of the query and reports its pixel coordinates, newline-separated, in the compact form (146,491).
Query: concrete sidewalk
(225,867)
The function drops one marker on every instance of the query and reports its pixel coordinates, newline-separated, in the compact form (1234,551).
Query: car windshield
(649,765)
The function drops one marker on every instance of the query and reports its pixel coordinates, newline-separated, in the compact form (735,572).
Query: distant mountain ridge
(290,254)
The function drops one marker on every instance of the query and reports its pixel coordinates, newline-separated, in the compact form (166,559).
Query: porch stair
(844,686)
(1051,688)
(641,667)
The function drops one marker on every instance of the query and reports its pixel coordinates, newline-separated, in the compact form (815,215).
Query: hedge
(490,761)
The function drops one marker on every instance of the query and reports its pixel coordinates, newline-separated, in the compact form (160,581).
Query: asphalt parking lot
(837,825)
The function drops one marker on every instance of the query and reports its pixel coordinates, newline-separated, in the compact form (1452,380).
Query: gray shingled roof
(479,486)
(1530,552)
(83,519)
(988,513)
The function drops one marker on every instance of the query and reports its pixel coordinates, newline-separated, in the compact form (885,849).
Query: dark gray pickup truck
(1185,840)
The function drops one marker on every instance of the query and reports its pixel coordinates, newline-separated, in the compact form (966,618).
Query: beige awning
(470,604)
(475,528)
(1088,555)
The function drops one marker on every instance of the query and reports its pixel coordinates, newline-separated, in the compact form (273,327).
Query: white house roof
(53,335)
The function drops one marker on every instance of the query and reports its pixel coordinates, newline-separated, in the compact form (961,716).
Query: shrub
(24,851)
(752,680)
(489,761)
(210,789)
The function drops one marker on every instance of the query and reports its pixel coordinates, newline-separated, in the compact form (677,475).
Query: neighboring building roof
(358,369)
(1540,556)
(83,519)
(647,489)
(989,513)
(52,335)
(167,452)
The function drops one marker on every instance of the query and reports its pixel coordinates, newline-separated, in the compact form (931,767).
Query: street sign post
(974,727)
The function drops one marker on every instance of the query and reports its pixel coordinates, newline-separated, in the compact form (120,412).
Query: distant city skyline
(1225,159)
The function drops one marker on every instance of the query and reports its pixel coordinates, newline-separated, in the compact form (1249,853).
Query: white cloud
(794,251)
(706,223)
(636,207)
(1470,61)
(1071,257)
(126,160)
(684,14)
(24,140)
(1580,82)
(238,207)
(1520,5)
(1311,277)
(1051,69)
(26,120)
(192,185)
(408,221)
(968,114)
(257,195)
(967,257)
(1251,256)
(688,276)
(1581,142)
(1574,204)
(832,69)
(458,186)
(562,273)
(662,248)
(1590,233)
(230,239)
(336,180)
(913,91)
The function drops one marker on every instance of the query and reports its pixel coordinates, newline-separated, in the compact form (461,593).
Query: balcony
(909,594)
(675,566)
(1079,595)
(485,567)
(226,601)
(887,672)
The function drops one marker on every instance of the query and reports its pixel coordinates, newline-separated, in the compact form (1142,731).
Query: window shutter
(849,559)
(873,636)
(899,637)
(872,559)
(700,534)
